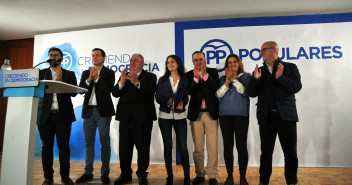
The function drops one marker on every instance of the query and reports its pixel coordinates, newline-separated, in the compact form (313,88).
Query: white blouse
(172,114)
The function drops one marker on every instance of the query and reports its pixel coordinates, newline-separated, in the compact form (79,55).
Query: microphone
(47,61)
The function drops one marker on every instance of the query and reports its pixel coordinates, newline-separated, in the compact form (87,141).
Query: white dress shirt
(239,87)
(54,105)
(93,98)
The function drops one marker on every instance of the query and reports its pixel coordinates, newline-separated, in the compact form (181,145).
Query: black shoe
(229,180)
(84,178)
(122,180)
(170,180)
(186,180)
(243,181)
(67,181)
(213,182)
(143,180)
(198,180)
(105,178)
(48,182)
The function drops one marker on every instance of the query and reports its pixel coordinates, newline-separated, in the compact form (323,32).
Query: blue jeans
(89,128)
(180,127)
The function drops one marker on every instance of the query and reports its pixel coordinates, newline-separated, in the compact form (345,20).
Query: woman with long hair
(234,115)
(172,95)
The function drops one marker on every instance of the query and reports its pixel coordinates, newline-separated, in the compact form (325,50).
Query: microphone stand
(39,64)
(48,61)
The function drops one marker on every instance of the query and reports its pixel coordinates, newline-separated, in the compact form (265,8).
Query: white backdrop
(154,42)
(322,54)
(320,48)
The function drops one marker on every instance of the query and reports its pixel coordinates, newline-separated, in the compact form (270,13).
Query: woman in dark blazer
(172,95)
(234,115)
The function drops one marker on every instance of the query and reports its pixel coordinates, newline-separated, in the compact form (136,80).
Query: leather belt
(92,106)
(203,110)
(55,111)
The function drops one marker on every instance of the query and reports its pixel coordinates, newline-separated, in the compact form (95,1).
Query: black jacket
(282,89)
(164,93)
(64,99)
(136,104)
(103,89)
(203,90)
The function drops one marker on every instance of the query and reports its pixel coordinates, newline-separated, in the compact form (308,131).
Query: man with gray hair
(136,113)
(275,84)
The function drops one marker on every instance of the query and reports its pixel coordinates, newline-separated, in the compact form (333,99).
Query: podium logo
(69,61)
(216,51)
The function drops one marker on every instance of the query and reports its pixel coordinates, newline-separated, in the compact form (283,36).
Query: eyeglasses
(198,60)
(264,49)
(232,62)
(55,55)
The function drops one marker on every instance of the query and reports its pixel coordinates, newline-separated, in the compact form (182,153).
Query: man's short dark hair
(56,49)
(198,52)
(101,50)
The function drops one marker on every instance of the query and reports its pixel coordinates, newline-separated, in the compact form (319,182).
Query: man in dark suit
(203,113)
(55,117)
(275,84)
(97,111)
(136,112)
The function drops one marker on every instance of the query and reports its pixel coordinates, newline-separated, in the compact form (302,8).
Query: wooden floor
(157,174)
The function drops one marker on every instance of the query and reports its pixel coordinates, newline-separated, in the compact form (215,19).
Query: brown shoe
(48,182)
(67,181)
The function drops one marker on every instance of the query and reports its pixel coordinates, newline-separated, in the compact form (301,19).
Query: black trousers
(180,127)
(55,126)
(235,127)
(139,135)
(287,132)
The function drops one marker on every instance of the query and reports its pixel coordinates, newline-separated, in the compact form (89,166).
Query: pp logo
(69,57)
(216,51)
(67,61)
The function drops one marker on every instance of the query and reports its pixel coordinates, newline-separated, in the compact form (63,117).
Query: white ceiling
(21,19)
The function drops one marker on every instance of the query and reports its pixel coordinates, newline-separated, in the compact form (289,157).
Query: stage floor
(157,174)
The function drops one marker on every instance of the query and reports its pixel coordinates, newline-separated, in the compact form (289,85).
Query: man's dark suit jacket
(64,99)
(103,89)
(203,90)
(283,89)
(136,104)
